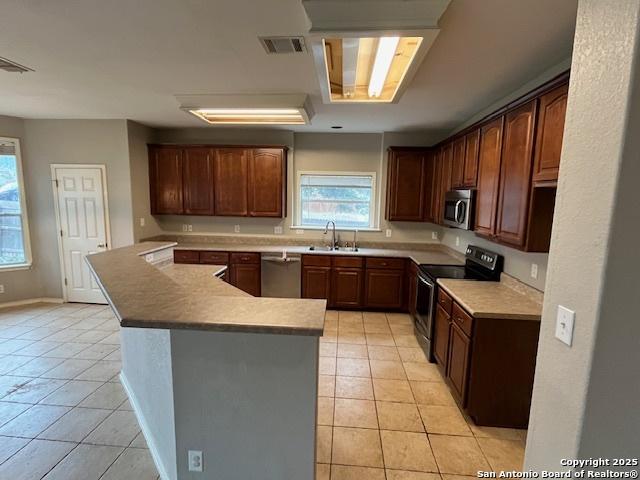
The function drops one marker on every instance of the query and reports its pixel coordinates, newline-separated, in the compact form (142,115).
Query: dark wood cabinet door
(266,182)
(459,354)
(488,177)
(405,187)
(430,187)
(186,256)
(551,114)
(316,282)
(231,166)
(197,171)
(445,177)
(165,180)
(515,175)
(441,337)
(246,277)
(435,205)
(457,163)
(470,177)
(383,288)
(346,287)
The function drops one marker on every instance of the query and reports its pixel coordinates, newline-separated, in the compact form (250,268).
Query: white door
(83,228)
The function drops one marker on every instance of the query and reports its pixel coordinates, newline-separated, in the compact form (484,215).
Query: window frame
(373,217)
(24,217)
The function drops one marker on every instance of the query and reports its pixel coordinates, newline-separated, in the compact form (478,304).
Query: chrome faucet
(333,234)
(355,240)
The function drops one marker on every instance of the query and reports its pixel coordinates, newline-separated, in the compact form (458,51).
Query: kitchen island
(211,369)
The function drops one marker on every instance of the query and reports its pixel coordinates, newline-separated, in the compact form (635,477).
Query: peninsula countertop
(491,299)
(190,297)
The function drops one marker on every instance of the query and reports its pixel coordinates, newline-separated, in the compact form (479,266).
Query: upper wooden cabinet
(210,180)
(488,176)
(551,114)
(165,177)
(472,146)
(515,175)
(405,185)
(267,183)
(197,171)
(430,186)
(457,163)
(231,172)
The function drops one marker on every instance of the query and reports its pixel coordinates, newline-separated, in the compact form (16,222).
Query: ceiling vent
(13,67)
(283,44)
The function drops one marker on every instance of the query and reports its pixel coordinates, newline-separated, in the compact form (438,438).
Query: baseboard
(145,429)
(29,301)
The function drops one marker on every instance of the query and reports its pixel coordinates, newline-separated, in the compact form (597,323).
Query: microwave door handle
(458,211)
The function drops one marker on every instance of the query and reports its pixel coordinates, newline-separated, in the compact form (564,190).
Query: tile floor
(63,412)
(384,412)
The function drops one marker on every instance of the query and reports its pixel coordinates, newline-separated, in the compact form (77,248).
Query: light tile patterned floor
(63,412)
(385,413)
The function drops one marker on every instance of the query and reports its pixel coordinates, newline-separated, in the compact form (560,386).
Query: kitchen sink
(326,248)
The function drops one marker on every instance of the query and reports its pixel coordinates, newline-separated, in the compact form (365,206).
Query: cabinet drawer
(348,262)
(186,256)
(444,300)
(214,258)
(462,319)
(245,258)
(391,263)
(316,260)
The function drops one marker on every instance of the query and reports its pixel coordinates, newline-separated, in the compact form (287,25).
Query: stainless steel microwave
(458,209)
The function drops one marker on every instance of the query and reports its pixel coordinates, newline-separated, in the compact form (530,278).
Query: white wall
(586,397)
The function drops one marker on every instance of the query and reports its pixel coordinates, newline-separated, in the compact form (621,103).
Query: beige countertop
(491,299)
(436,255)
(191,297)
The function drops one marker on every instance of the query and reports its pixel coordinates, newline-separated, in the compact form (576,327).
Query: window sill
(13,268)
(338,229)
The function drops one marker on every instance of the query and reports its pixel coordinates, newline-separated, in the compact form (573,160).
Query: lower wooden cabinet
(316,282)
(346,287)
(489,363)
(246,277)
(383,288)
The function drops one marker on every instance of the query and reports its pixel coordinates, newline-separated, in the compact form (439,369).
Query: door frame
(103,174)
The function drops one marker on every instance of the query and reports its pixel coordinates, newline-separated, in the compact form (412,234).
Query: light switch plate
(564,325)
(388,233)
(1,288)
(142,221)
(534,270)
(236,228)
(184,227)
(434,235)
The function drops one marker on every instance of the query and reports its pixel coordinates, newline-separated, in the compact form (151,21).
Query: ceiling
(123,59)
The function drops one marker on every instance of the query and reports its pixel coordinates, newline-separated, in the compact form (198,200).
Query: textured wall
(585,399)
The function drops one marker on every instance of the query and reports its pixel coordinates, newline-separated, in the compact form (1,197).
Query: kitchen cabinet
(412,286)
(515,175)
(550,130)
(488,177)
(384,279)
(457,162)
(197,170)
(435,205)
(165,176)
(471,350)
(266,183)
(445,178)
(316,276)
(231,170)
(405,185)
(430,186)
(186,256)
(244,272)
(472,147)
(211,180)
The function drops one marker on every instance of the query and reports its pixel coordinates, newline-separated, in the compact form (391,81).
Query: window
(345,198)
(14,234)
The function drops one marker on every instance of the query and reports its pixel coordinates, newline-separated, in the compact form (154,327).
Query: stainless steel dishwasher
(281,275)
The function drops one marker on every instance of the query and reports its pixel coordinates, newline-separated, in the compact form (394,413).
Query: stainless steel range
(480,264)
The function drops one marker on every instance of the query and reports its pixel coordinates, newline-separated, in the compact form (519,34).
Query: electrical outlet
(184,227)
(534,270)
(236,228)
(1,288)
(299,231)
(195,460)
(149,257)
(142,221)
(457,241)
(434,235)
(388,233)
(277,230)
(564,325)
(190,228)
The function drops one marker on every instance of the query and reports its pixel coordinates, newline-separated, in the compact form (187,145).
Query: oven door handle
(459,211)
(425,281)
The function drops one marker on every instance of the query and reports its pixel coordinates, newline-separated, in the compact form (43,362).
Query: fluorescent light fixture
(248,109)
(384,56)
